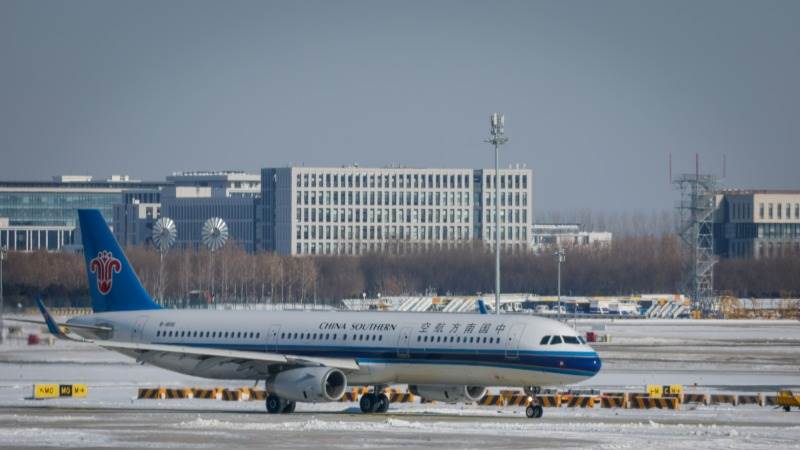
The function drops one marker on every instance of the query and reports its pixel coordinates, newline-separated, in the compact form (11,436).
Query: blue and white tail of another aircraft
(312,356)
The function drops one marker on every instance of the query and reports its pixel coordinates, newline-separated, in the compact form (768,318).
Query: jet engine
(448,394)
(309,384)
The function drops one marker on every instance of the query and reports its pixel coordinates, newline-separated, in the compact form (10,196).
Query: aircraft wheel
(787,408)
(534,411)
(289,408)
(382,404)
(368,403)
(275,404)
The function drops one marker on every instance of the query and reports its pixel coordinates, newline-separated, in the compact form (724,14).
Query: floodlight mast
(497,139)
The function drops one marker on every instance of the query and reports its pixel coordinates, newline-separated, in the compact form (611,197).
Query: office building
(135,216)
(42,215)
(191,198)
(354,210)
(757,223)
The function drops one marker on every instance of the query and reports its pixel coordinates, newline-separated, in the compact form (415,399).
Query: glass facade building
(43,215)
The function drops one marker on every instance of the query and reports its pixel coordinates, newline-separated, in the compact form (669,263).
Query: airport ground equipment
(788,399)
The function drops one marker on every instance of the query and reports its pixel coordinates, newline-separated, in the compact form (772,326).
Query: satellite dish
(215,233)
(164,234)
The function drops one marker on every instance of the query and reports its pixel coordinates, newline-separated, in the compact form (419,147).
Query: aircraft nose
(597,363)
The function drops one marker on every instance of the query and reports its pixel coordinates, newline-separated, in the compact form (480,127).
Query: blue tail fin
(112,282)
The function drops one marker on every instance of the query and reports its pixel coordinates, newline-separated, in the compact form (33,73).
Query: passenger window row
(553,340)
(333,337)
(209,334)
(458,340)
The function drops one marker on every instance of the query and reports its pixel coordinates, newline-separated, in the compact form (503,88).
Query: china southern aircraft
(312,356)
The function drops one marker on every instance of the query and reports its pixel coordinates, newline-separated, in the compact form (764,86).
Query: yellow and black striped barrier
(654,402)
(149,393)
(756,399)
(723,399)
(582,401)
(204,393)
(492,400)
(620,401)
(695,398)
(53,390)
(505,398)
(354,394)
(549,401)
(399,396)
(171,393)
(509,393)
(231,395)
(517,400)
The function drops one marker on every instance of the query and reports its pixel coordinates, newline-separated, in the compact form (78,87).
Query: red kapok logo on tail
(104,266)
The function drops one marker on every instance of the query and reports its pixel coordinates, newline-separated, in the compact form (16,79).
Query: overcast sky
(596,94)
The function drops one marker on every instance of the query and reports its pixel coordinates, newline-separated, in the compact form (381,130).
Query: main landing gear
(534,410)
(374,403)
(277,405)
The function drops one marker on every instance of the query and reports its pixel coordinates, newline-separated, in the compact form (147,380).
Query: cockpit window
(571,340)
(555,340)
(583,341)
(545,340)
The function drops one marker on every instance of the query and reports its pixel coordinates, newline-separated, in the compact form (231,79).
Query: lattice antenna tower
(696,208)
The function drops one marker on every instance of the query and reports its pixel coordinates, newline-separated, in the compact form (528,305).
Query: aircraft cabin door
(272,338)
(138,329)
(512,340)
(403,342)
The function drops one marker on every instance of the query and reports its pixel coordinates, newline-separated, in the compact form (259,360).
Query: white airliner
(306,356)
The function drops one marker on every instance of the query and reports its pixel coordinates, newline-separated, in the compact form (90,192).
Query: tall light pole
(561,257)
(497,139)
(3,253)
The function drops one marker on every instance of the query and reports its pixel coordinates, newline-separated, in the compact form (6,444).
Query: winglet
(52,326)
(482,306)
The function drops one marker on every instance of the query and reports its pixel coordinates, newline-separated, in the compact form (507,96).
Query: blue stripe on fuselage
(580,363)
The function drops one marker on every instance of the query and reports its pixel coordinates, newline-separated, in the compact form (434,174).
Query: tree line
(631,265)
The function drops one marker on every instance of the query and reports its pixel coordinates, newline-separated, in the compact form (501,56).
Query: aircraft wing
(205,355)
(339,363)
(232,355)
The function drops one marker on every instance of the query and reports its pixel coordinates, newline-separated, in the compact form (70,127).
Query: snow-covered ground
(730,356)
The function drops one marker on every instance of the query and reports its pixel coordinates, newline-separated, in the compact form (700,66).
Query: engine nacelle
(309,384)
(448,394)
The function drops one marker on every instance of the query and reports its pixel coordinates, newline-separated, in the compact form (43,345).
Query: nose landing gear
(534,410)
